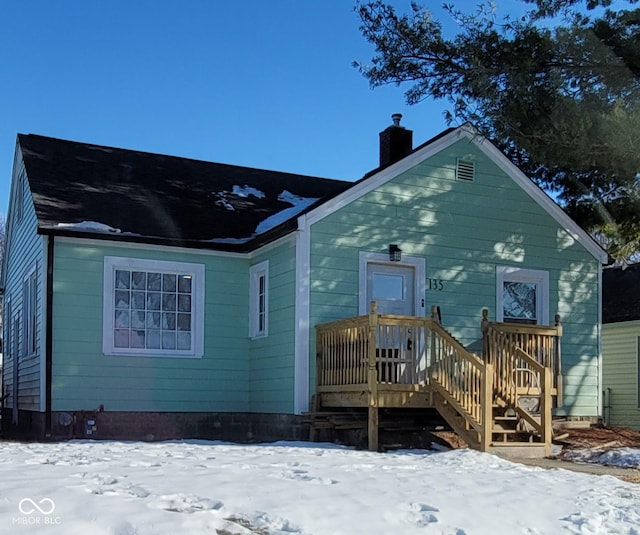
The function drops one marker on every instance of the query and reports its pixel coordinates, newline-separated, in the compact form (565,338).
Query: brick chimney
(395,142)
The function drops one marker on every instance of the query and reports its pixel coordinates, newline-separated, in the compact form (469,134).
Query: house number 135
(436,284)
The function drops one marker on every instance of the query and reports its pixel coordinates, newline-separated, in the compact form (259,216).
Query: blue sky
(266,84)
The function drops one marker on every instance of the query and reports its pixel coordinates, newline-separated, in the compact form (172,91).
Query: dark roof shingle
(621,294)
(164,199)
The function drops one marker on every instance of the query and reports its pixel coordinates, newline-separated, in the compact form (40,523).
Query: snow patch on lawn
(624,457)
(285,488)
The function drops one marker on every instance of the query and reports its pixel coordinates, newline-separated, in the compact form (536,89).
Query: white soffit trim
(302,330)
(270,246)
(176,249)
(44,241)
(600,400)
(148,247)
(493,153)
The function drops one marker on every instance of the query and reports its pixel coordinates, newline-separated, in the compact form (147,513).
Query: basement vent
(466,170)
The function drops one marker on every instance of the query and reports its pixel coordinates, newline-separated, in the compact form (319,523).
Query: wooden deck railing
(371,351)
(526,361)
(383,353)
(342,349)
(395,347)
(539,342)
(464,380)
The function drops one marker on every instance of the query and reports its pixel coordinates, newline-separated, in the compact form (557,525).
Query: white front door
(392,287)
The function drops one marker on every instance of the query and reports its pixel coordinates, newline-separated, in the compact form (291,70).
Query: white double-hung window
(522,295)
(259,300)
(153,307)
(30,312)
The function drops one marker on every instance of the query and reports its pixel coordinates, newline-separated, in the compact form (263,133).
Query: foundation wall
(151,426)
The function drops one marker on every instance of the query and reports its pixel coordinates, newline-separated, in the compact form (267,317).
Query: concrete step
(519,450)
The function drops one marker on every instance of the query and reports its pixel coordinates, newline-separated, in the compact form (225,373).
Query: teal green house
(150,296)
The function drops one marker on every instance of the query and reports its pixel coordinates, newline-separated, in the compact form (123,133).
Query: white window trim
(29,314)
(7,338)
(516,274)
(20,185)
(197,300)
(255,272)
(416,262)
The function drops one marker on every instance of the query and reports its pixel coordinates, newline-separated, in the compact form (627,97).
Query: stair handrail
(507,358)
(463,379)
(545,338)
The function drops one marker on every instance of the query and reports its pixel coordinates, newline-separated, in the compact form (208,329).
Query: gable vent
(466,170)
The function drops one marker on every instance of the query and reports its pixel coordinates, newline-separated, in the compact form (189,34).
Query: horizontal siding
(24,249)
(620,372)
(272,357)
(463,230)
(85,378)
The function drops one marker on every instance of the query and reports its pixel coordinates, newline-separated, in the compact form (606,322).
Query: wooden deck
(502,399)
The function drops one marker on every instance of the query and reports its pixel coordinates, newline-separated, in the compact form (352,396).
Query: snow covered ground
(136,488)
(622,457)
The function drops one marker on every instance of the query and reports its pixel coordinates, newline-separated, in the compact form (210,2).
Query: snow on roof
(223,197)
(90,226)
(245,191)
(298,205)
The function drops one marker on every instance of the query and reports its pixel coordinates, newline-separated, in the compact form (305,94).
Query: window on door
(522,295)
(397,288)
(388,286)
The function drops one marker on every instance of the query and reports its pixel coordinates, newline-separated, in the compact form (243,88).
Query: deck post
(319,358)
(372,380)
(487,406)
(558,361)
(434,350)
(484,328)
(545,412)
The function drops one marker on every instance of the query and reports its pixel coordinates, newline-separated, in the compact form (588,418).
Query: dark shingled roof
(621,294)
(155,198)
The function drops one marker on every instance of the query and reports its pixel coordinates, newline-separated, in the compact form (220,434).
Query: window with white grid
(153,307)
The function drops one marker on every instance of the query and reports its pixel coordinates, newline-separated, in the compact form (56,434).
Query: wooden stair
(457,421)
(510,435)
(499,402)
(406,428)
